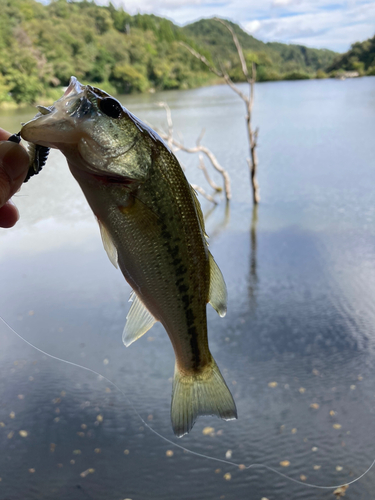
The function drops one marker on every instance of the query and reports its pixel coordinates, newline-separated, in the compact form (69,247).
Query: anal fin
(218,290)
(138,321)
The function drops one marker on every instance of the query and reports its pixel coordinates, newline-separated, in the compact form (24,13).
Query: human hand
(14,165)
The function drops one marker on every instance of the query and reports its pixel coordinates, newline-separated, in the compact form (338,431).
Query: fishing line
(176,445)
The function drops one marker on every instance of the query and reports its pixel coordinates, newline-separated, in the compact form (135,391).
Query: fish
(152,228)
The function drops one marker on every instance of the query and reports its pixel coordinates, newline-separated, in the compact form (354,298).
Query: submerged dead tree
(177,145)
(248,100)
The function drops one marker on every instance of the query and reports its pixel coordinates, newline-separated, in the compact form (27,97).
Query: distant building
(347,74)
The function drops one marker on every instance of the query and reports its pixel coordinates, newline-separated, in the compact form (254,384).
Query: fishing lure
(38,156)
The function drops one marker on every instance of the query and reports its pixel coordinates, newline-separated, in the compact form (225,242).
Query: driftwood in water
(202,150)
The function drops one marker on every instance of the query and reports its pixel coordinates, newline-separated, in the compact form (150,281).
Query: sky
(327,24)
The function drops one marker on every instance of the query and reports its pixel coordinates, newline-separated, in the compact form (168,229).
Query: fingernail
(13,159)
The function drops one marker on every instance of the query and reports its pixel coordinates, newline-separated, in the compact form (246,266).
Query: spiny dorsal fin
(218,290)
(108,244)
(138,321)
(199,212)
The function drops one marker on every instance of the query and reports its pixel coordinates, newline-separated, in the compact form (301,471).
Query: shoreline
(44,101)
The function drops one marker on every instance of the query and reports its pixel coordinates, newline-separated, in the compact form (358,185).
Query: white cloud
(335,29)
(283,3)
(184,11)
(253,26)
(333,24)
(151,6)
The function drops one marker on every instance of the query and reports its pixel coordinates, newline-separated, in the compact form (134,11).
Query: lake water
(297,346)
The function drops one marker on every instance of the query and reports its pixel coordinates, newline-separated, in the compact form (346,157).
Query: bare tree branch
(202,58)
(214,162)
(169,121)
(238,47)
(249,101)
(201,191)
(179,146)
(200,137)
(229,82)
(213,184)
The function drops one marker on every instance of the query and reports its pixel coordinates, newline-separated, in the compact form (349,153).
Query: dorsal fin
(138,321)
(199,212)
(108,244)
(218,290)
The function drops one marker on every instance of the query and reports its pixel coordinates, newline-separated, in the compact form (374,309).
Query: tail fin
(196,395)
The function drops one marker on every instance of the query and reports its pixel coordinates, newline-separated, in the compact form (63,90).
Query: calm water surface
(296,347)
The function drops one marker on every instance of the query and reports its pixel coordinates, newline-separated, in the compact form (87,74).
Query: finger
(8,215)
(14,164)
(4,135)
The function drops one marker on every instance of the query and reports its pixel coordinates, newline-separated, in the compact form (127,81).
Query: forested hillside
(361,58)
(41,46)
(275,61)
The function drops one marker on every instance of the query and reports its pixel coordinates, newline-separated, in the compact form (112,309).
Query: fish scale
(159,285)
(153,229)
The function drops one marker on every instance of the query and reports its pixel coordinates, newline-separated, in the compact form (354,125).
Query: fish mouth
(77,126)
(59,124)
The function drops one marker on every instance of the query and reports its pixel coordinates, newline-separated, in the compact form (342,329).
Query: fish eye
(110,107)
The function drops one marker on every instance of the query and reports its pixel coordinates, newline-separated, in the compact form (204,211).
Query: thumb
(14,164)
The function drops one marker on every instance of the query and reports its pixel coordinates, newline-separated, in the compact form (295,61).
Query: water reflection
(305,262)
(253,277)
(221,219)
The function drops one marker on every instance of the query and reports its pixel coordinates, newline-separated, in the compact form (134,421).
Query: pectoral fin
(138,321)
(218,289)
(108,244)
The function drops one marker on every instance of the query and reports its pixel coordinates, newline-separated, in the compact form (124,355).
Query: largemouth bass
(152,229)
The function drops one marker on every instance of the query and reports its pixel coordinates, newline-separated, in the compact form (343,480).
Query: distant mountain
(275,60)
(361,58)
(42,45)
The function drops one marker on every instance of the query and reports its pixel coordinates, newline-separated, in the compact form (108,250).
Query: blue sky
(334,24)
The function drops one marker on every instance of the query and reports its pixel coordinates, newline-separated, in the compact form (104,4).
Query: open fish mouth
(58,123)
(74,87)
(78,124)
(50,125)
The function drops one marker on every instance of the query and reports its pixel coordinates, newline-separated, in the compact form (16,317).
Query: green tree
(42,45)
(128,79)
